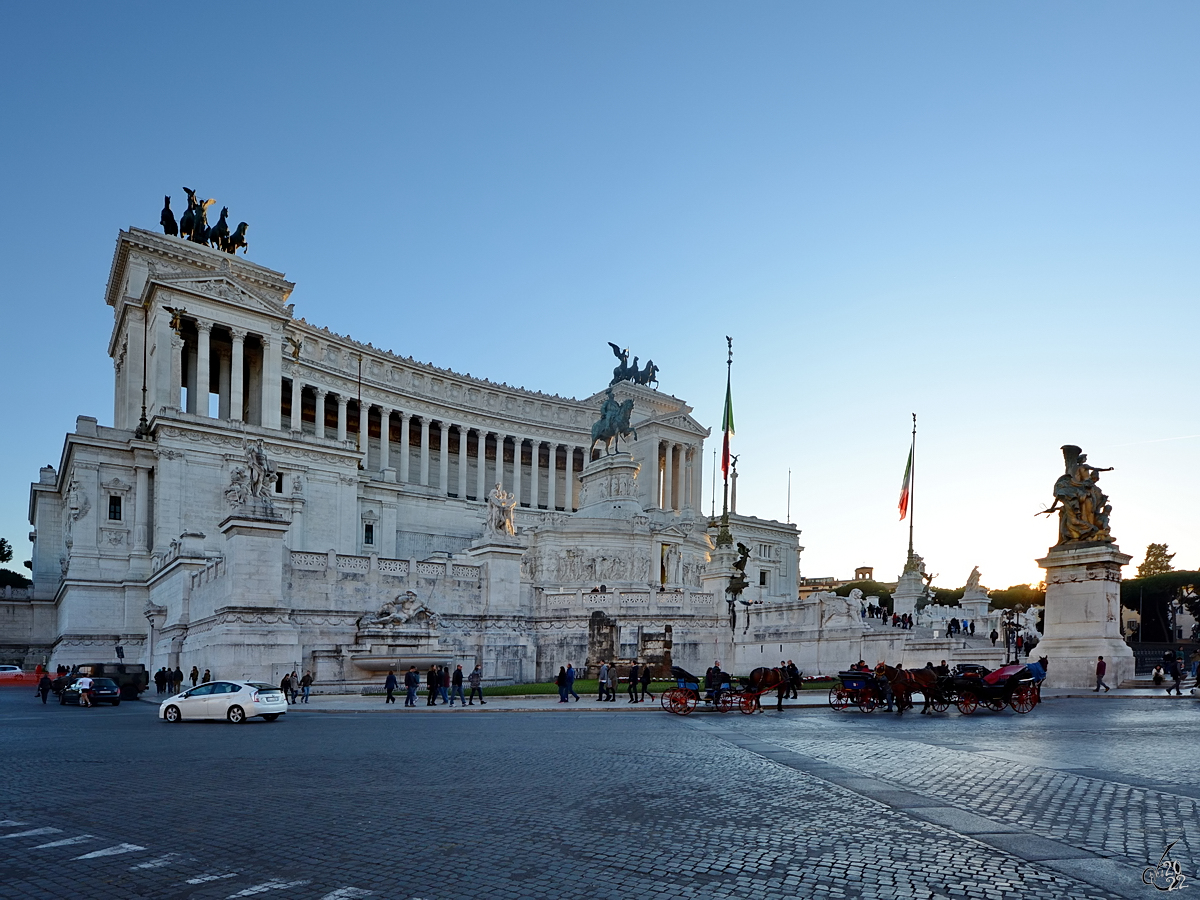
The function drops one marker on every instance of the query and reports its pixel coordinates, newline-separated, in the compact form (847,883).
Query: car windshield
(262,686)
(103,683)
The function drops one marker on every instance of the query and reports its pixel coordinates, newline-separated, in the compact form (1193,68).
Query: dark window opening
(114,509)
(369,533)
(762,578)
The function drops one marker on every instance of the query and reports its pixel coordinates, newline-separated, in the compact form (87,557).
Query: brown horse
(905,681)
(763,679)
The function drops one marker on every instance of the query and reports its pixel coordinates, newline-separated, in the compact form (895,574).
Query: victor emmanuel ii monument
(271,495)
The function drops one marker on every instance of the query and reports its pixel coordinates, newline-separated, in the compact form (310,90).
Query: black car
(104,690)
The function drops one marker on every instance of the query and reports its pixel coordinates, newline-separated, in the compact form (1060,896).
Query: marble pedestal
(1083,615)
(909,589)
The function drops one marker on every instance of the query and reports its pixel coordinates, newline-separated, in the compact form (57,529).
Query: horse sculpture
(763,679)
(646,376)
(187,220)
(218,235)
(613,424)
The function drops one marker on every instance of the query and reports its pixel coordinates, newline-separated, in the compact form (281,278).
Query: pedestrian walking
(84,686)
(433,680)
(412,681)
(195,675)
(44,686)
(294,686)
(972,628)
(284,684)
(178,680)
(1176,673)
(1101,668)
(160,680)
(647,676)
(389,685)
(571,681)
(635,680)
(995,636)
(560,681)
(456,683)
(603,686)
(612,684)
(306,684)
(793,680)
(207,677)
(475,679)
(444,687)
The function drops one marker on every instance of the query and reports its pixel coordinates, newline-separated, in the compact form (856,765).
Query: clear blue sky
(981,213)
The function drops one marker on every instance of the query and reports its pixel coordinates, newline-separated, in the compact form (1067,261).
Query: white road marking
(156,863)
(115,850)
(347,893)
(66,842)
(272,885)
(200,879)
(9,823)
(33,832)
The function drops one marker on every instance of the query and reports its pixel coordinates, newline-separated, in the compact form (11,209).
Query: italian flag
(905,487)
(727,427)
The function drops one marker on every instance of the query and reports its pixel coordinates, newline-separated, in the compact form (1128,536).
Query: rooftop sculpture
(193,225)
(627,372)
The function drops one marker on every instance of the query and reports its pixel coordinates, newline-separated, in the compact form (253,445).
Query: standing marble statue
(500,511)
(973,580)
(1083,509)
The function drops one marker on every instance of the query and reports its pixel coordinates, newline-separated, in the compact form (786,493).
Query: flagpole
(724,538)
(912,481)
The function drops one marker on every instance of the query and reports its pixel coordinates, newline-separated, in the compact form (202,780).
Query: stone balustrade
(633,601)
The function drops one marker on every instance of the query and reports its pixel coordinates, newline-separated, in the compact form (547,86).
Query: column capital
(204,326)
(238,334)
(343,400)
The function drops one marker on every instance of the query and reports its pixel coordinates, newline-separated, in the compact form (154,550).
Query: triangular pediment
(220,286)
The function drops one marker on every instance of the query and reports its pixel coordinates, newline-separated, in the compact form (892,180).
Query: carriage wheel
(867,700)
(839,697)
(748,703)
(939,703)
(665,699)
(729,700)
(967,703)
(679,701)
(1023,700)
(995,704)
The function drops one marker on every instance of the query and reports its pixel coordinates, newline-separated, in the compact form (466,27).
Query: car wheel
(116,703)
(270,717)
(236,715)
(171,714)
(62,699)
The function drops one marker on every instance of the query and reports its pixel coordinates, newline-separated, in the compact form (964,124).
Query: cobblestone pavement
(1071,801)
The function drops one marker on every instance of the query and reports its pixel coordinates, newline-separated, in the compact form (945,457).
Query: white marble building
(383,465)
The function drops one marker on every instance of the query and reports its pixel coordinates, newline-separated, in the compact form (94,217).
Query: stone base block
(1073,661)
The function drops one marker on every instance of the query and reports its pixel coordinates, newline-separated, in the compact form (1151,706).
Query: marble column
(568,481)
(535,451)
(342,403)
(319,414)
(518,447)
(297,423)
(425,450)
(141,514)
(176,397)
(203,369)
(272,386)
(669,478)
(481,464)
(499,479)
(385,429)
(686,457)
(462,463)
(236,366)
(222,384)
(364,433)
(404,438)
(552,478)
(443,457)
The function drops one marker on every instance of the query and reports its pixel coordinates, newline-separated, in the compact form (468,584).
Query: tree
(1152,595)
(1157,561)
(1028,595)
(5,550)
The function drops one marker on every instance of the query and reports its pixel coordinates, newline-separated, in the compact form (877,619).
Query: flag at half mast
(727,425)
(906,487)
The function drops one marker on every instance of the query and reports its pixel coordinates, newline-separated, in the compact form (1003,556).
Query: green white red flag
(727,426)
(906,486)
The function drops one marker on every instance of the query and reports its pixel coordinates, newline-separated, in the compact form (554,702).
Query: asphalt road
(1071,801)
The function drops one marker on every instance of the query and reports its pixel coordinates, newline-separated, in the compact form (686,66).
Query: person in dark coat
(412,681)
(433,680)
(444,687)
(178,679)
(390,686)
(207,677)
(195,675)
(44,686)
(560,681)
(160,680)
(793,675)
(285,685)
(456,684)
(475,679)
(635,679)
(647,675)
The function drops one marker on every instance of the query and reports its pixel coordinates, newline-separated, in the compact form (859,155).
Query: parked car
(104,690)
(235,701)
(11,674)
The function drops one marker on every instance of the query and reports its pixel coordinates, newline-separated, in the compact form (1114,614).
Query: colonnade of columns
(541,474)
(245,392)
(677,476)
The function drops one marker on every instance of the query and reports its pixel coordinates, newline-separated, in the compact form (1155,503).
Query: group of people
(638,683)
(1173,666)
(292,686)
(441,684)
(170,681)
(902,620)
(960,626)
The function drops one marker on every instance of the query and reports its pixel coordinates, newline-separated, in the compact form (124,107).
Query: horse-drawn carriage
(968,687)
(723,697)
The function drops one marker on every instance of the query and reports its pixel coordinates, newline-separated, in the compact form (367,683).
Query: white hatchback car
(235,701)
